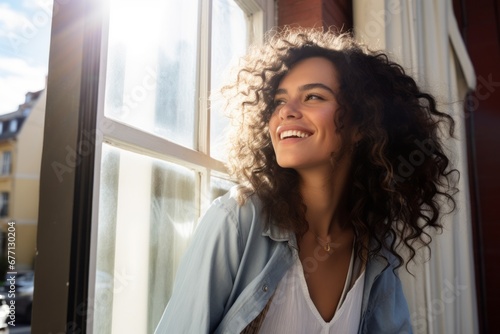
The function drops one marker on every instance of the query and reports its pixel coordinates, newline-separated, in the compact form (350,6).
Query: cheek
(327,121)
(273,125)
(330,130)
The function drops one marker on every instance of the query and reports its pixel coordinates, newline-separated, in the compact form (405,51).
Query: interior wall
(316,13)
(480,26)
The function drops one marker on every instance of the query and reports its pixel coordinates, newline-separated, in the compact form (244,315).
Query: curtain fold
(422,35)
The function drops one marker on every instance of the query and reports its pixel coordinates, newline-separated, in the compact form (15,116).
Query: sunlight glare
(136,24)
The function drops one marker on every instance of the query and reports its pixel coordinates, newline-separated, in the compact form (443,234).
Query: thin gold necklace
(327,245)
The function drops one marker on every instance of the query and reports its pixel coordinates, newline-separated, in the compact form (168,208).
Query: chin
(290,164)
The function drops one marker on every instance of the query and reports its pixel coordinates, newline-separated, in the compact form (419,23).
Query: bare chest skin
(325,272)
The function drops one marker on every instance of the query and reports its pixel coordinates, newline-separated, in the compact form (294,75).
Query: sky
(24,49)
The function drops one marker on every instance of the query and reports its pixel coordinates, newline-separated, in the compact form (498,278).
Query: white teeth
(294,133)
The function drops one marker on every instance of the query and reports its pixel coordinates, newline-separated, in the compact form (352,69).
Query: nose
(289,110)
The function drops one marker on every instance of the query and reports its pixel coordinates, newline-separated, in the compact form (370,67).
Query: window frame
(6,165)
(123,136)
(61,272)
(13,125)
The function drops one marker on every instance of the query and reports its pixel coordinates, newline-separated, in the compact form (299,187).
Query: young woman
(340,170)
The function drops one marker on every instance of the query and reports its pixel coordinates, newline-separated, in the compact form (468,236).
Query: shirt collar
(280,234)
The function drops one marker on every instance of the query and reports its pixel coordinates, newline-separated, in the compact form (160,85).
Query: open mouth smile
(293,134)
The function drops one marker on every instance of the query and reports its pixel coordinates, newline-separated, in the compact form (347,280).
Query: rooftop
(11,123)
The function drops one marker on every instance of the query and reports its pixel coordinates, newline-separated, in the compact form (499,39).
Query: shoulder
(384,300)
(237,210)
(230,214)
(382,273)
(210,273)
(233,201)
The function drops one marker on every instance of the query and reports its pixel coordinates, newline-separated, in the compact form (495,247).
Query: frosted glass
(151,67)
(147,213)
(229,43)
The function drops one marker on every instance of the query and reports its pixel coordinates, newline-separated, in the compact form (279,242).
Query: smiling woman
(302,126)
(311,239)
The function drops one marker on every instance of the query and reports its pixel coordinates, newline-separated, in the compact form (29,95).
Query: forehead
(311,70)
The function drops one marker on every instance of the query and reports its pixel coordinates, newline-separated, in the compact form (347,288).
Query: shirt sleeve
(205,276)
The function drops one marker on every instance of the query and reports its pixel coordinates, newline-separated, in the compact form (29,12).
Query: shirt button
(265,288)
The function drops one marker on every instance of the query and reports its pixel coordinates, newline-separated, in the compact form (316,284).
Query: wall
(316,13)
(26,178)
(6,185)
(480,23)
(6,181)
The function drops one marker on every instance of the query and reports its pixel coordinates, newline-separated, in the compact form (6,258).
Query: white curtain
(423,36)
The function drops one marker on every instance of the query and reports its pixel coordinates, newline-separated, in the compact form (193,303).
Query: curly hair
(400,172)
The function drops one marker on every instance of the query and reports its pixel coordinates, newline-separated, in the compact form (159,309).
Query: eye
(279,102)
(313,97)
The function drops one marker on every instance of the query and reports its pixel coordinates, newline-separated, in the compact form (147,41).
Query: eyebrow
(306,88)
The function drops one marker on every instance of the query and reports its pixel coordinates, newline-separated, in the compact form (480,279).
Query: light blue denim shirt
(233,266)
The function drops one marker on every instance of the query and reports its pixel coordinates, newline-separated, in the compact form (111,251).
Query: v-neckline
(307,296)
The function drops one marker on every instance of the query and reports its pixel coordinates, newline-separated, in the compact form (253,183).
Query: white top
(292,310)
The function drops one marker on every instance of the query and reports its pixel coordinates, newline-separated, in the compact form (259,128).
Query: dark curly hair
(400,173)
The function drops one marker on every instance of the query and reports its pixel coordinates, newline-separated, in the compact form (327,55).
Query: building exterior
(21,137)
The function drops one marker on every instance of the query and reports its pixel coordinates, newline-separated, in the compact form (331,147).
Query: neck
(325,198)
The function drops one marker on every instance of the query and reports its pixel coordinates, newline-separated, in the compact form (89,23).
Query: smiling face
(302,127)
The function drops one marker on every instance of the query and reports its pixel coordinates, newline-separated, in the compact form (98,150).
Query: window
(159,161)
(5,163)
(13,125)
(4,204)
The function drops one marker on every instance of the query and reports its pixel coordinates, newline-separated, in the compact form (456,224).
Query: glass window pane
(229,42)
(151,66)
(147,214)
